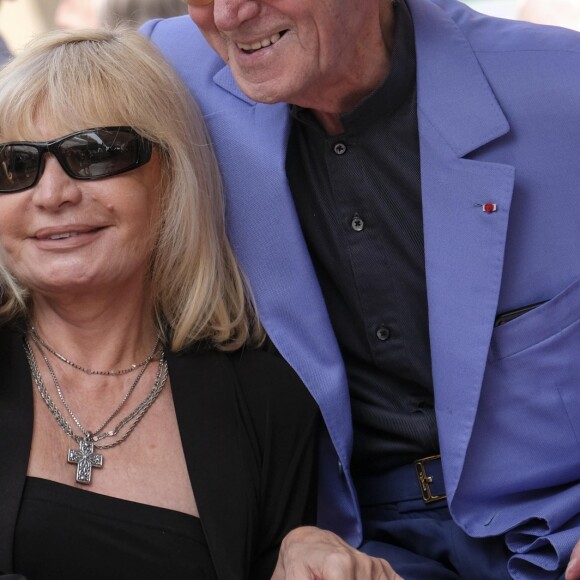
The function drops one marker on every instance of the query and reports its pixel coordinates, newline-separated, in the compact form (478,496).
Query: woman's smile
(67,237)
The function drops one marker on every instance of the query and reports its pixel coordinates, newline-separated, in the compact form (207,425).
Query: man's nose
(229,15)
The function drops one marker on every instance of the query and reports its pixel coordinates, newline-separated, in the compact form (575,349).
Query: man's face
(298,51)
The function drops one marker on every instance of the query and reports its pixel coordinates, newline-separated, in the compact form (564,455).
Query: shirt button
(357,223)
(340,468)
(383,333)
(340,148)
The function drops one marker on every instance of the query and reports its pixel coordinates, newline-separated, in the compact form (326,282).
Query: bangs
(52,118)
(67,88)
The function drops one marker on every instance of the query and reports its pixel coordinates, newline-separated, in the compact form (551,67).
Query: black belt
(422,479)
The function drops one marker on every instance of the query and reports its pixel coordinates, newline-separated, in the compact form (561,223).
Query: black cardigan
(248,428)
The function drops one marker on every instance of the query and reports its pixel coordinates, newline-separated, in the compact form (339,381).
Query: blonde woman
(142,433)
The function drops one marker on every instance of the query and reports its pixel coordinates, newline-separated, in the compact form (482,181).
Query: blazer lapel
(16,417)
(464,246)
(250,141)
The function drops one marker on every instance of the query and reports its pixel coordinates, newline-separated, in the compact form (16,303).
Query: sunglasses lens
(101,153)
(19,166)
(91,154)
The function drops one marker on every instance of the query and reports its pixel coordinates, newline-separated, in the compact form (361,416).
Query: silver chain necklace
(85,458)
(64,401)
(40,341)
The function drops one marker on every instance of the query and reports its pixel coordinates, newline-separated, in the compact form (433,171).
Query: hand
(573,570)
(310,553)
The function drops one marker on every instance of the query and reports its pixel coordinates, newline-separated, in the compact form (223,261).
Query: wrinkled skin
(310,553)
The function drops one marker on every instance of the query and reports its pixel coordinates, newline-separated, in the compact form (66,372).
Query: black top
(358,197)
(248,429)
(104,537)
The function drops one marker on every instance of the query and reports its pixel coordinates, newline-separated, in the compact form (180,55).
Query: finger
(573,569)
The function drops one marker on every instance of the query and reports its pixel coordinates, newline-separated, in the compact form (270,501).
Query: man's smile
(259,44)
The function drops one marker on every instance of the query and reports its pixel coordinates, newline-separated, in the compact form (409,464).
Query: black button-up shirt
(358,196)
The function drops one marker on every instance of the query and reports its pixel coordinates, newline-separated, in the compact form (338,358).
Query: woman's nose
(55,188)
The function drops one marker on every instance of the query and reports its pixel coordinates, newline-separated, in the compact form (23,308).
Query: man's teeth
(63,235)
(261,43)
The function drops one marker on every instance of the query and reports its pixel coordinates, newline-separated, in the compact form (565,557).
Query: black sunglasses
(88,154)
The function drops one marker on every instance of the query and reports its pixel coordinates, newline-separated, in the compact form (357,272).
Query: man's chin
(261,93)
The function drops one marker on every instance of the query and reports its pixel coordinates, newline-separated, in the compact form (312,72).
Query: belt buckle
(426,480)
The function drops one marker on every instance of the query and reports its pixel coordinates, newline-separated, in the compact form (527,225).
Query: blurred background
(22,19)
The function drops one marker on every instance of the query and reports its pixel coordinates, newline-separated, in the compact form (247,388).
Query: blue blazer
(499,122)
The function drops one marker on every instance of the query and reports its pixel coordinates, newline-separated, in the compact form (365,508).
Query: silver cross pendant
(85,459)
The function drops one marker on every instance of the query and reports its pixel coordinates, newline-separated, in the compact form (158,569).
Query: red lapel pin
(489,207)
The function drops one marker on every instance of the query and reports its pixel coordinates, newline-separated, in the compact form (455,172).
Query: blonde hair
(80,79)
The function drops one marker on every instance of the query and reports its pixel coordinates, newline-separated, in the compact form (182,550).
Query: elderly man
(402,182)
